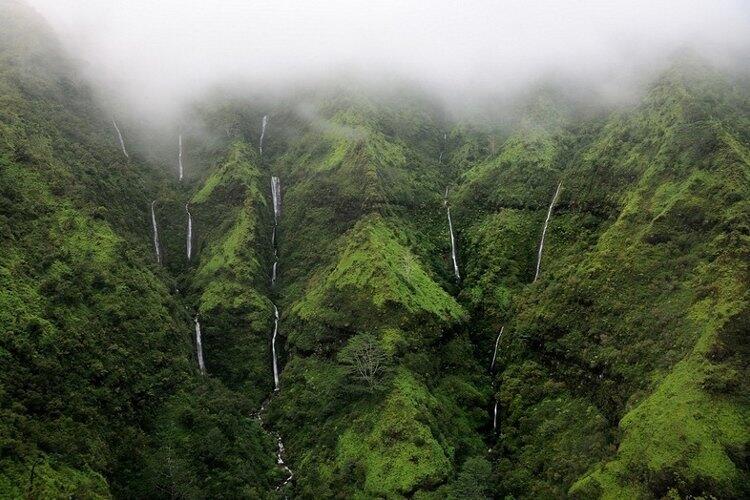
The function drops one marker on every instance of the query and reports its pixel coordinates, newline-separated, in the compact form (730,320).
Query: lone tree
(365,359)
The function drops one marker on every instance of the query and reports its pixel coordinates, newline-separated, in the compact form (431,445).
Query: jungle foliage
(622,372)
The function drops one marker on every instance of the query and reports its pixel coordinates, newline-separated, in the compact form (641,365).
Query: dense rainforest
(346,292)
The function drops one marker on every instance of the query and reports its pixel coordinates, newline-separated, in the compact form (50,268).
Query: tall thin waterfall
(199,346)
(119,136)
(544,231)
(453,239)
(494,418)
(263,126)
(273,348)
(189,232)
(276,197)
(179,156)
(497,341)
(156,233)
(275,266)
(453,246)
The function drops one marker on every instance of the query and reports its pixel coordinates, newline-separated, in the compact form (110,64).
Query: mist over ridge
(152,57)
(404,250)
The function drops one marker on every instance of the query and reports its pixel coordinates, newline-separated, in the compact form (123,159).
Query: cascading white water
(179,155)
(263,126)
(494,418)
(276,195)
(119,136)
(273,348)
(189,232)
(453,239)
(156,233)
(280,450)
(280,462)
(497,341)
(199,346)
(276,198)
(453,246)
(544,231)
(492,366)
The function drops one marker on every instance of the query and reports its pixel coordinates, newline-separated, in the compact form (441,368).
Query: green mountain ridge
(620,373)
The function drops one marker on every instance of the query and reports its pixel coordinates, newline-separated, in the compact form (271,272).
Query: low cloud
(153,56)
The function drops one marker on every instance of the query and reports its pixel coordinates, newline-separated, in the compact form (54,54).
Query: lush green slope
(621,372)
(645,267)
(230,278)
(358,273)
(99,393)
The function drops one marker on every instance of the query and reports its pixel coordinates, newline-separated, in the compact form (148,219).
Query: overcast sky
(159,52)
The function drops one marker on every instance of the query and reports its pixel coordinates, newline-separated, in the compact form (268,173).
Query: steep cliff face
(371,290)
(603,373)
(612,356)
(619,369)
(100,393)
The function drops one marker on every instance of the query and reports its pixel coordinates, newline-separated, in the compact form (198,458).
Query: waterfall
(156,233)
(453,239)
(119,136)
(273,348)
(179,156)
(276,195)
(263,126)
(199,346)
(494,355)
(544,231)
(492,366)
(189,232)
(453,246)
(494,418)
(280,462)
